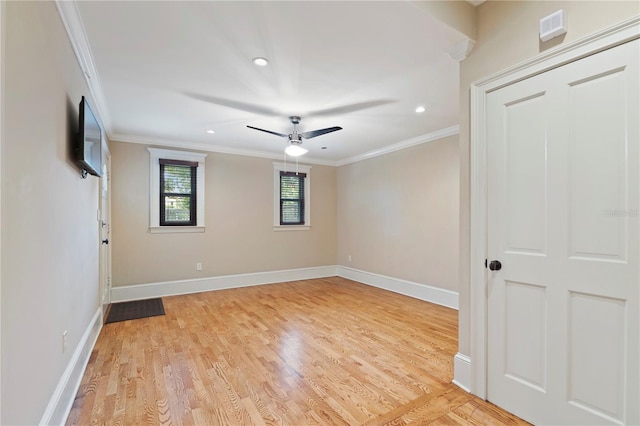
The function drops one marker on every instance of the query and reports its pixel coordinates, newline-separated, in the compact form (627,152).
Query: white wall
(49,259)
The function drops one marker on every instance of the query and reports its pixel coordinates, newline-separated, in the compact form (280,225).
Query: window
(178,196)
(292,198)
(176,191)
(291,184)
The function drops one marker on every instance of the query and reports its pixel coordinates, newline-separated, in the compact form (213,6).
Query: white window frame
(281,167)
(155,154)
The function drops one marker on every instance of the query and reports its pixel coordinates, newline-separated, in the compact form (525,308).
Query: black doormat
(124,311)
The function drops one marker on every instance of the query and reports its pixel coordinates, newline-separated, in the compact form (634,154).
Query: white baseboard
(424,292)
(198,285)
(462,371)
(61,401)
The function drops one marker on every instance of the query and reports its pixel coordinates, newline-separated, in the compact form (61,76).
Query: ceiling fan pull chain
(284,154)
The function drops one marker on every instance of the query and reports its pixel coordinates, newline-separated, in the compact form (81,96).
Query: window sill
(292,228)
(175,229)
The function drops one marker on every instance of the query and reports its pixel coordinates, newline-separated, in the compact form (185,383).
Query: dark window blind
(178,192)
(292,198)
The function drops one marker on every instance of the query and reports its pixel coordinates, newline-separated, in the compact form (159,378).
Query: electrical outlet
(198,266)
(64,341)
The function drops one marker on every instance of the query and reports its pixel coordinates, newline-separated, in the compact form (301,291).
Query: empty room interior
(319,212)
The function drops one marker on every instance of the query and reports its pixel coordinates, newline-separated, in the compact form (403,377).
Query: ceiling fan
(295,139)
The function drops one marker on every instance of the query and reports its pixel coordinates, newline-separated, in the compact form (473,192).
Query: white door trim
(2,39)
(623,32)
(105,215)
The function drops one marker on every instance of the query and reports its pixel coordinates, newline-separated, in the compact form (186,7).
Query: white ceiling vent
(553,25)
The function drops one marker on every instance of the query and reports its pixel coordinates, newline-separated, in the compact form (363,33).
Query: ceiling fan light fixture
(295,139)
(259,61)
(295,150)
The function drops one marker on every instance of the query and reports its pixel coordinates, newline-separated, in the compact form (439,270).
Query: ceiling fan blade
(268,131)
(314,133)
(242,106)
(350,108)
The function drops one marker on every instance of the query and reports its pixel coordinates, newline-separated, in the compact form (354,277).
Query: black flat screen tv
(89,149)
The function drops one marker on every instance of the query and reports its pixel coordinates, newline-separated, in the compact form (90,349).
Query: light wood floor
(327,351)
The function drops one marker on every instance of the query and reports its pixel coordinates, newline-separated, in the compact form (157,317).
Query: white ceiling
(169,71)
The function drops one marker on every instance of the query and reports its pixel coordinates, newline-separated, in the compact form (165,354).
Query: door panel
(563,188)
(525,175)
(598,164)
(596,353)
(526,329)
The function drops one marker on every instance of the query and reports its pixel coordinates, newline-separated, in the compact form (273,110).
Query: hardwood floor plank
(436,407)
(395,416)
(315,352)
(478,412)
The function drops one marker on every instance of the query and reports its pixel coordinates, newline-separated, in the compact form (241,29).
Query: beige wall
(508,35)
(398,214)
(239,235)
(50,232)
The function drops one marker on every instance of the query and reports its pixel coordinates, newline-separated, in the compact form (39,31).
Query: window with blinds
(292,198)
(178,192)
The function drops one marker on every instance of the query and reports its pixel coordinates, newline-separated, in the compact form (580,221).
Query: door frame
(623,32)
(104,285)
(2,75)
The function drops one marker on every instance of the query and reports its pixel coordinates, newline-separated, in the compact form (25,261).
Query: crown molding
(461,50)
(429,137)
(118,137)
(70,15)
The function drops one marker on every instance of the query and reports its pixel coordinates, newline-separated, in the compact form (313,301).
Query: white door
(105,235)
(563,213)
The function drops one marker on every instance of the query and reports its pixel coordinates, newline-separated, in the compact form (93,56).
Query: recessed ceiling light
(261,62)
(420,109)
(210,132)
